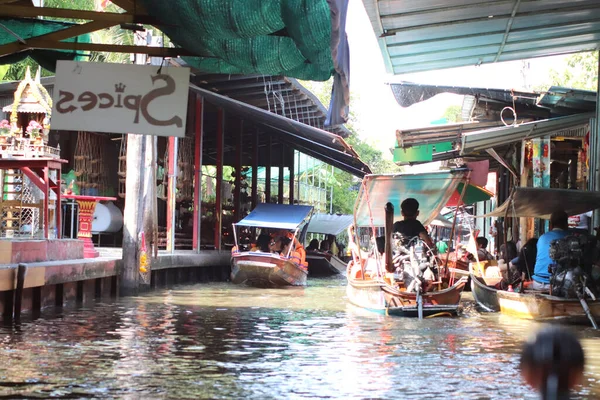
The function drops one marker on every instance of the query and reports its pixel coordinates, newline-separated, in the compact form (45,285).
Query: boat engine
(413,263)
(575,272)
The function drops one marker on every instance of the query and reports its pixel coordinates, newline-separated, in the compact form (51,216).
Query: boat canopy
(329,224)
(441,221)
(431,189)
(541,202)
(277,216)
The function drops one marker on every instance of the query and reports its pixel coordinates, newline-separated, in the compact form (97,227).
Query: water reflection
(224,341)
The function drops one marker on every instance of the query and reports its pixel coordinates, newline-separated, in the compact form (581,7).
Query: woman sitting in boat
(410,227)
(293,249)
(313,245)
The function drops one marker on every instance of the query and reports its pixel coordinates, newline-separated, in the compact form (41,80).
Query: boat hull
(485,296)
(378,296)
(542,307)
(324,264)
(266,270)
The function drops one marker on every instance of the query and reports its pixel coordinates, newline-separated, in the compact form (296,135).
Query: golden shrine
(25,133)
(30,170)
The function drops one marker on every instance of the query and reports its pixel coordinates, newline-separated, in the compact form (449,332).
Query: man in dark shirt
(410,226)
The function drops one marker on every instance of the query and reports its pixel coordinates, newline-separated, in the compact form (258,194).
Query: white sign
(120,98)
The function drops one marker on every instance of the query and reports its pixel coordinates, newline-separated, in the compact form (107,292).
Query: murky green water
(222,341)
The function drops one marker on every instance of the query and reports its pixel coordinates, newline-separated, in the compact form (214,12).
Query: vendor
(559,224)
(410,226)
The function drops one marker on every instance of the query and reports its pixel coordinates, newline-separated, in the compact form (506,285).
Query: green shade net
(30,28)
(270,37)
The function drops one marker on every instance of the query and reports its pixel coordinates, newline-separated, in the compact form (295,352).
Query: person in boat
(262,243)
(508,251)
(442,247)
(522,265)
(324,248)
(293,249)
(313,245)
(333,246)
(276,244)
(410,226)
(559,225)
(482,253)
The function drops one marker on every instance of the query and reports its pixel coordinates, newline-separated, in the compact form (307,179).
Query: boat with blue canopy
(326,263)
(268,250)
(401,279)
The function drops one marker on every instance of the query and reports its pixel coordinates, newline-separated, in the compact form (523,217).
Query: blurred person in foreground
(553,362)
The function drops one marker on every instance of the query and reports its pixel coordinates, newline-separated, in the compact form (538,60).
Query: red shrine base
(28,251)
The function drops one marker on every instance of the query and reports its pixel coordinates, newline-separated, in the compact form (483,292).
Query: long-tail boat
(373,279)
(256,266)
(323,263)
(530,304)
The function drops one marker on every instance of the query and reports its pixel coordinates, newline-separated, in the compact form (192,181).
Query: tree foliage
(581,73)
(345,185)
(453,114)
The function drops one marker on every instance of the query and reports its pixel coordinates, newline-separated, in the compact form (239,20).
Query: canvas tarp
(431,189)
(277,216)
(541,202)
(329,224)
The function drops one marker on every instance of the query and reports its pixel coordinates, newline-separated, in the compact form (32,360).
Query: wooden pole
(237,204)
(198,132)
(255,170)
(281,181)
(133,219)
(171,193)
(132,215)
(389,226)
(268,171)
(219,185)
(21,271)
(291,166)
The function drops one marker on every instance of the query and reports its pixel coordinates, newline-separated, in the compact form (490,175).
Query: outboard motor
(574,270)
(412,264)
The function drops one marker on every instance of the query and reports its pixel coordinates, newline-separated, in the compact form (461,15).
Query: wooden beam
(34,12)
(130,5)
(76,30)
(111,48)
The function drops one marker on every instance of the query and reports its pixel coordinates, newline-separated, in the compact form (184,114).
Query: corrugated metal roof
(421,35)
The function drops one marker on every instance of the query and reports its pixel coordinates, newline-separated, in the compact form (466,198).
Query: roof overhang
(495,137)
(322,145)
(431,34)
(541,202)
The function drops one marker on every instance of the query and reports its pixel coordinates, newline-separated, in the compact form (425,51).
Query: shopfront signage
(120,98)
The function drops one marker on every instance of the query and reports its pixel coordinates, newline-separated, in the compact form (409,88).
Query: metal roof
(573,125)
(422,35)
(566,101)
(322,145)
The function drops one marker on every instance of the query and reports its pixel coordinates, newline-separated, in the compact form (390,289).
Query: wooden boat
(326,264)
(265,268)
(382,296)
(543,307)
(537,203)
(484,295)
(322,264)
(370,284)
(530,304)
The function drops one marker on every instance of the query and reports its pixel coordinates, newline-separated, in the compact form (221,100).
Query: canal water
(220,341)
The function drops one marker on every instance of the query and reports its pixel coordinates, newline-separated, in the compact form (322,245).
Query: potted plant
(34,129)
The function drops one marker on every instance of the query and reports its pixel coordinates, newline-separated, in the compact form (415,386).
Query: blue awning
(277,216)
(329,224)
(431,189)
